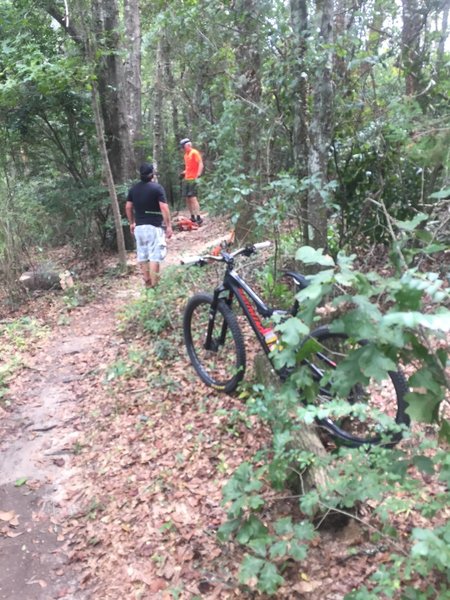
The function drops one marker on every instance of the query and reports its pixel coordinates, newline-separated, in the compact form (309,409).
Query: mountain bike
(215,345)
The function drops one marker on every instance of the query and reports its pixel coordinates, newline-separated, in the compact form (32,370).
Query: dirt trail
(39,436)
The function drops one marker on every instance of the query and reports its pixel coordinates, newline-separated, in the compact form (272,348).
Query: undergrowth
(398,496)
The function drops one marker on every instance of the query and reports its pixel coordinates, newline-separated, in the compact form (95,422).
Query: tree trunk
(112,90)
(117,165)
(305,438)
(299,24)
(133,77)
(163,97)
(90,49)
(320,130)
(109,176)
(170,87)
(411,55)
(157,107)
(248,93)
(444,36)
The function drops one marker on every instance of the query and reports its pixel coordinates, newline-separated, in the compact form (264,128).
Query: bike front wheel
(214,343)
(381,404)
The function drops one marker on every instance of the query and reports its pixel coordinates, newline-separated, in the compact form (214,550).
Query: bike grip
(259,245)
(191,260)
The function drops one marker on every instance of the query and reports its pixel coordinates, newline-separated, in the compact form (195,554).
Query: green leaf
(278,549)
(424,464)
(20,482)
(432,248)
(374,363)
(425,378)
(252,528)
(298,551)
(259,545)
(250,568)
(309,255)
(269,578)
(255,502)
(444,433)
(309,347)
(422,407)
(227,529)
(293,331)
(280,440)
(283,526)
(357,324)
(304,530)
(411,225)
(344,279)
(445,193)
(414,319)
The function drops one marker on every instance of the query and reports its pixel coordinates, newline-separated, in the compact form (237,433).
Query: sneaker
(199,220)
(193,219)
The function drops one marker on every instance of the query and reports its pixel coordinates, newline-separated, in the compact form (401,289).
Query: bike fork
(213,343)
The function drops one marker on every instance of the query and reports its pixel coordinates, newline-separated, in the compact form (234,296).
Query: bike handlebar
(201,260)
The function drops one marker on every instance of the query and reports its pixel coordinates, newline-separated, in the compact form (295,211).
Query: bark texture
(248,93)
(112,90)
(158,131)
(132,65)
(320,130)
(300,137)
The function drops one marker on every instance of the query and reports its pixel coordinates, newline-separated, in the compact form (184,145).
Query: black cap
(184,141)
(145,170)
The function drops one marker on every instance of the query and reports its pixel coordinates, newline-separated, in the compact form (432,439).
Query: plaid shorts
(150,243)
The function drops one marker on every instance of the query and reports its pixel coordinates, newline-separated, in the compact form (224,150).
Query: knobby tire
(222,367)
(351,431)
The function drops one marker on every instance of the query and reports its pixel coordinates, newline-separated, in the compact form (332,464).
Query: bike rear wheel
(384,400)
(220,360)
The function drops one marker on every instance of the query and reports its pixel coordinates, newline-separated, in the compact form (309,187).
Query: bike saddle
(300,280)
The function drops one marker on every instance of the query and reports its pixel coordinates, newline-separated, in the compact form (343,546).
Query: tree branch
(63,20)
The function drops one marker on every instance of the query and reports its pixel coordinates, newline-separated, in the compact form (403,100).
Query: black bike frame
(234,286)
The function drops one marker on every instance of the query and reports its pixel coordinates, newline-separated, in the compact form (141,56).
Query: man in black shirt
(147,211)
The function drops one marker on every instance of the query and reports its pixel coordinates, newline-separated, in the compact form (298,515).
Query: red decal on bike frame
(254,315)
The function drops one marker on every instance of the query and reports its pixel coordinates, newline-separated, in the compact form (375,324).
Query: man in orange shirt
(193,168)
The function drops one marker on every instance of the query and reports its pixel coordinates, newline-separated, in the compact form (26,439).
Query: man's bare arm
(129,209)
(164,207)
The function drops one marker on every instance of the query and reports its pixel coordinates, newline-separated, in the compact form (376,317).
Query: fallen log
(46,278)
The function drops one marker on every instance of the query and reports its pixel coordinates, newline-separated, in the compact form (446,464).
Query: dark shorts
(189,187)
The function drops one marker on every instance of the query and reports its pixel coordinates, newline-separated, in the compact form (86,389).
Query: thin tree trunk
(90,51)
(112,90)
(118,166)
(249,93)
(133,76)
(170,88)
(157,106)
(411,59)
(444,35)
(320,130)
(109,176)
(299,24)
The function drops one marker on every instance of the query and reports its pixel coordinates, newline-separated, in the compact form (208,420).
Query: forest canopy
(334,114)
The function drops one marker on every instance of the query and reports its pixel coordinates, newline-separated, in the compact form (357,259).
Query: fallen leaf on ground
(7,516)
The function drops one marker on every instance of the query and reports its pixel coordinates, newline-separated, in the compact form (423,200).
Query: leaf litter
(147,458)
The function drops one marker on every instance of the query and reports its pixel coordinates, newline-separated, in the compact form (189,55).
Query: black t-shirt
(146,197)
